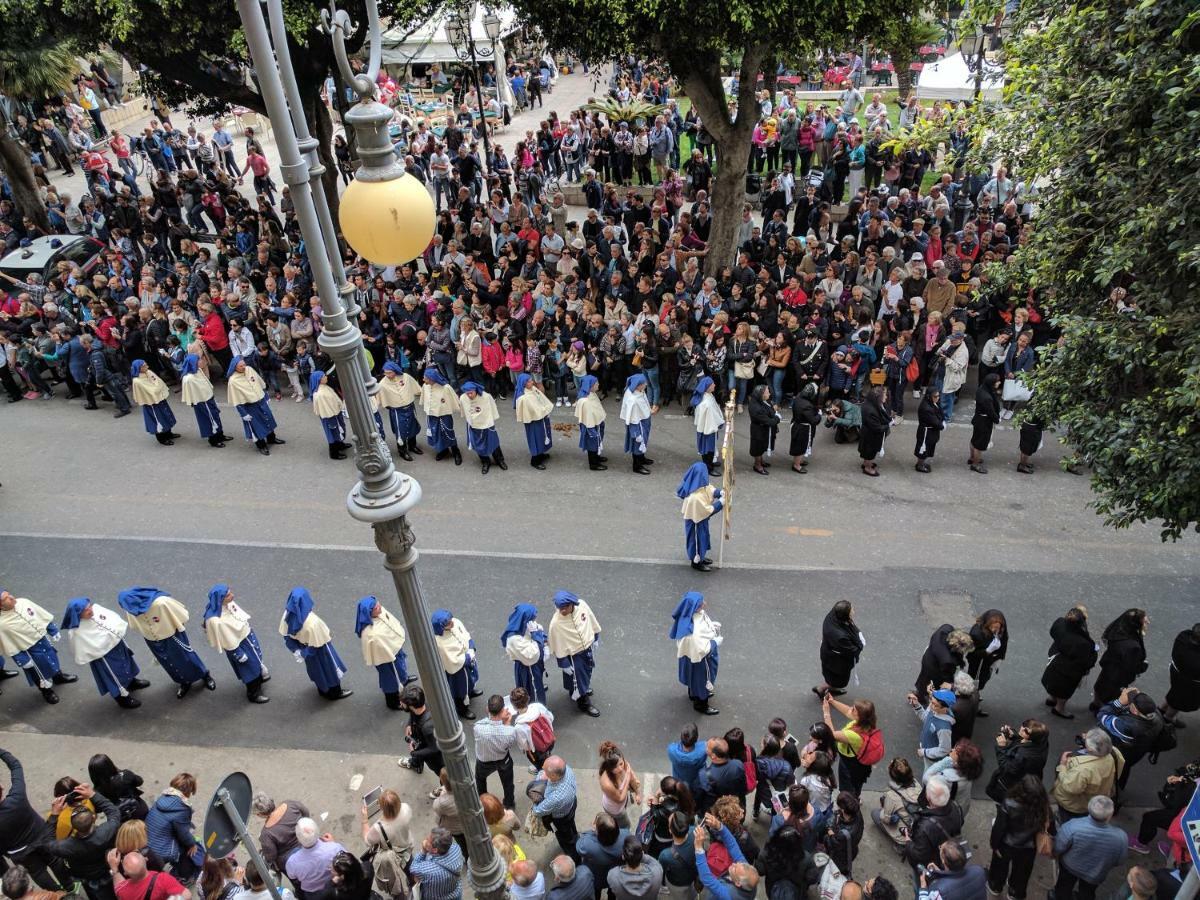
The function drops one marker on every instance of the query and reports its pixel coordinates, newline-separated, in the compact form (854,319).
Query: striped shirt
(493,740)
(440,876)
(559,798)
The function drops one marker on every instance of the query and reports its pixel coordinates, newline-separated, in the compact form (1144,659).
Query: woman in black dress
(764,421)
(990,636)
(1184,695)
(930,423)
(1072,655)
(1124,656)
(876,423)
(1030,443)
(945,655)
(987,416)
(805,419)
(841,645)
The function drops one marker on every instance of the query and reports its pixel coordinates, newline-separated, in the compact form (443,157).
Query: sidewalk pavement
(323,782)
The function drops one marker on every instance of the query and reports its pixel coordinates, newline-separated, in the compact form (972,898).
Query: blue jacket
(969,883)
(686,764)
(1088,849)
(169,827)
(76,358)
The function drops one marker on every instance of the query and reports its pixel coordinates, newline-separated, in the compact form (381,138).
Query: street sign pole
(1191,886)
(227,805)
(225,826)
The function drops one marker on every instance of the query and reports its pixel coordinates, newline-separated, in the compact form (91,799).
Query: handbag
(534,825)
(743,370)
(1044,843)
(637,358)
(1015,391)
(912,371)
(878,376)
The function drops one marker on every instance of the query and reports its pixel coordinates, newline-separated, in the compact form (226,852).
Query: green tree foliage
(691,36)
(1104,111)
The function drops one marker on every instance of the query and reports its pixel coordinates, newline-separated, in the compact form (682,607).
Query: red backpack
(542,733)
(872,748)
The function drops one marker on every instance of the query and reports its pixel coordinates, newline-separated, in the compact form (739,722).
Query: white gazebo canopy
(428,44)
(950,79)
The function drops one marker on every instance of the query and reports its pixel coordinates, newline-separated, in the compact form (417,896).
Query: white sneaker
(533,770)
(916,395)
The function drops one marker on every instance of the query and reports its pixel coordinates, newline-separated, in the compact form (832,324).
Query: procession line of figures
(96,634)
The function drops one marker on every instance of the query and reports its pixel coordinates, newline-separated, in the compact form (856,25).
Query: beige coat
(1081,778)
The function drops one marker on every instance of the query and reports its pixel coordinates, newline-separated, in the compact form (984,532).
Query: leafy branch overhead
(1103,115)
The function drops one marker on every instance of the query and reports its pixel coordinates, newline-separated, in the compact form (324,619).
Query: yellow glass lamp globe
(388,222)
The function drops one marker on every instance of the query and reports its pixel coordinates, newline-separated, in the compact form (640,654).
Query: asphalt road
(769,660)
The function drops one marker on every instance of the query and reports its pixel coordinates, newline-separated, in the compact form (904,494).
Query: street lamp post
(974,48)
(387,217)
(460,36)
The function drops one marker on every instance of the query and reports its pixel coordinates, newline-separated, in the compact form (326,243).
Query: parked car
(42,255)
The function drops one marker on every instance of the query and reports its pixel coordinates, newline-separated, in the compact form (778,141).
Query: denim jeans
(947,405)
(777,384)
(654,391)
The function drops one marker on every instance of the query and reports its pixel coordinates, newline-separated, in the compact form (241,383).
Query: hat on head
(946,698)
(917,257)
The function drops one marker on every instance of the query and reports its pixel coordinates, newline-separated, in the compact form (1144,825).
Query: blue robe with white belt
(439,432)
(115,670)
(577,673)
(246,659)
(178,659)
(404,421)
(591,439)
(538,437)
(335,428)
(325,668)
(208,418)
(637,437)
(261,422)
(39,661)
(706,443)
(464,680)
(699,677)
(392,675)
(159,417)
(483,441)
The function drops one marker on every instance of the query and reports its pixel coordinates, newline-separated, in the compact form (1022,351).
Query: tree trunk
(15,163)
(904,75)
(770,69)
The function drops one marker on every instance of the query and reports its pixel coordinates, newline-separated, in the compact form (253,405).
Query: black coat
(1124,659)
(1072,655)
(979,658)
(1014,762)
(840,648)
(805,418)
(987,414)
(930,422)
(930,828)
(875,425)
(1184,695)
(939,663)
(763,423)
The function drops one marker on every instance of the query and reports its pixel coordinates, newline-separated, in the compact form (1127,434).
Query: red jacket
(212,332)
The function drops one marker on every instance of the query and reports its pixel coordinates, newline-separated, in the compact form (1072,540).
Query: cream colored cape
(228,629)
(96,636)
(481,412)
(533,406)
(698,505)
(708,415)
(397,391)
(452,647)
(572,634)
(326,403)
(162,620)
(698,644)
(313,631)
(382,639)
(522,649)
(590,411)
(197,389)
(22,626)
(149,389)
(439,400)
(245,387)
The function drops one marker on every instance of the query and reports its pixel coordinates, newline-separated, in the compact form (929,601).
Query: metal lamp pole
(383,496)
(460,36)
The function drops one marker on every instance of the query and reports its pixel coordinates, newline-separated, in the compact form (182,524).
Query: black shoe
(486,466)
(337,693)
(266,676)
(599,468)
(1048,702)
(706,561)
(1093,708)
(65,678)
(404,454)
(647,461)
(259,698)
(265,451)
(90,406)
(223,437)
(121,413)
(702,707)
(8,673)
(442,454)
(49,696)
(411,679)
(173,436)
(209,684)
(701,567)
(271,439)
(641,470)
(501,463)
(475,692)
(602,459)
(415,450)
(585,706)
(1061,715)
(541,467)
(128,702)
(182,690)
(457,454)
(138,684)
(464,712)
(980,714)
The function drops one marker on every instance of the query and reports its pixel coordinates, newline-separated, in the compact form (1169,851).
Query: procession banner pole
(727,481)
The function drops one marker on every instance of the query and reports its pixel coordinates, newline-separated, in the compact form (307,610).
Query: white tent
(427,43)
(950,79)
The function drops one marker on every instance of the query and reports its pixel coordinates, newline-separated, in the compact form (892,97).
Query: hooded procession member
(574,631)
(479,409)
(440,404)
(805,419)
(457,652)
(841,645)
(160,619)
(27,634)
(635,413)
(227,626)
(246,390)
(931,422)
(328,408)
(1029,443)
(383,639)
(197,392)
(398,394)
(708,419)
(697,638)
(97,640)
(307,636)
(876,423)
(533,411)
(987,416)
(701,501)
(150,393)
(524,640)
(590,413)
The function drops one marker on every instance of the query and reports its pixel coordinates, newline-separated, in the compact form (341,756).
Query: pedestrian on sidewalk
(495,738)
(25,835)
(1087,849)
(170,831)
(558,804)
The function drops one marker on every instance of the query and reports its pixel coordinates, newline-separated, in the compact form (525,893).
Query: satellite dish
(223,832)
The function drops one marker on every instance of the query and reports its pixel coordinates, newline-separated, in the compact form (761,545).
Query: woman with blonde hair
(133,838)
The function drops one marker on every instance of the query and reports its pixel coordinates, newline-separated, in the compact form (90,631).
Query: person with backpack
(391,838)
(121,786)
(859,743)
(775,773)
(535,728)
(1137,729)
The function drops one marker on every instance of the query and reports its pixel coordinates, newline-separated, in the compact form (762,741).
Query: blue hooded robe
(577,669)
(590,439)
(392,675)
(705,443)
(697,677)
(484,441)
(174,654)
(531,678)
(696,537)
(538,435)
(325,668)
(208,414)
(637,435)
(257,419)
(439,430)
(403,419)
(117,668)
(246,657)
(464,680)
(334,426)
(39,661)
(158,417)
